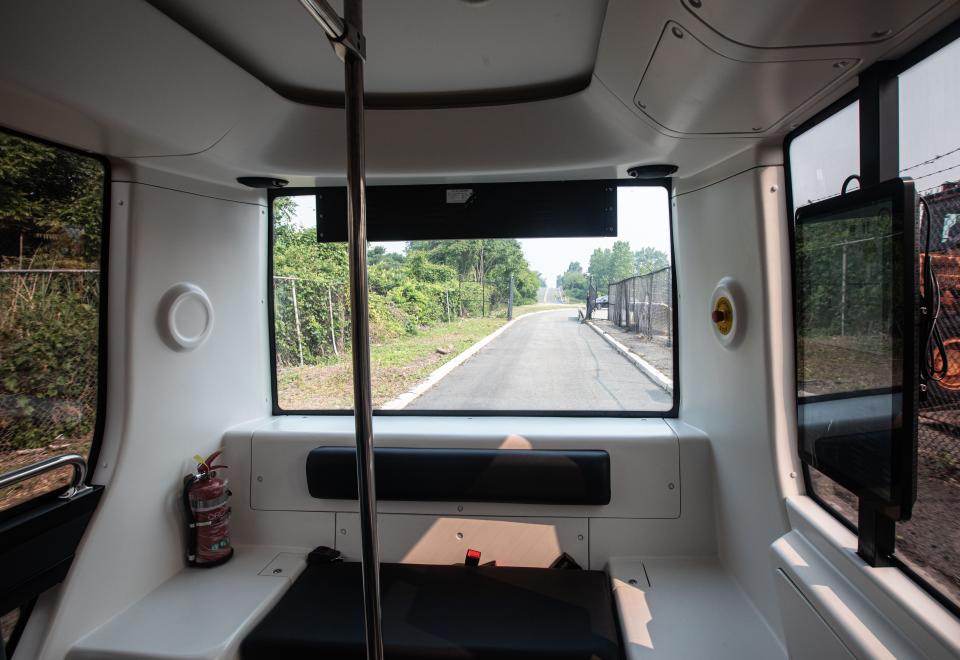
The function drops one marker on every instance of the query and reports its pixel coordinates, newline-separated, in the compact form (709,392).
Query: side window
(820,159)
(929,94)
(927,546)
(51,236)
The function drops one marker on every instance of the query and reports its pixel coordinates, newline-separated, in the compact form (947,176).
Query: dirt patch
(396,367)
(844,364)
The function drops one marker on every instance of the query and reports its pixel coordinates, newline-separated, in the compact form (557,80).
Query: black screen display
(854,283)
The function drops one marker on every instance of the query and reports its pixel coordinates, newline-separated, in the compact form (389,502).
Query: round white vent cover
(186,316)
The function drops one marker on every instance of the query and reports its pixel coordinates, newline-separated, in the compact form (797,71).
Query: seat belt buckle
(473,558)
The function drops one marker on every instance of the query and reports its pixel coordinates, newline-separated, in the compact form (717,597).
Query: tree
(649,259)
(611,265)
(574,285)
(621,261)
(599,268)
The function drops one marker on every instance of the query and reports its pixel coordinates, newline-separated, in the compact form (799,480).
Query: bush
(48,365)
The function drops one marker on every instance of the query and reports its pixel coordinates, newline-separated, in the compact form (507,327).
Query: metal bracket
(352,41)
(343,36)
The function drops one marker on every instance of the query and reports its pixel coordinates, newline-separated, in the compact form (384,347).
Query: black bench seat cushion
(443,612)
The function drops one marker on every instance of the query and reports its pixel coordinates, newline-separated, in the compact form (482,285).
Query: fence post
(446,299)
(296,319)
(843,292)
(510,300)
(333,334)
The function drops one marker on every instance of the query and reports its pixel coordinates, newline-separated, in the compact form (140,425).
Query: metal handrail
(77,486)
(346,36)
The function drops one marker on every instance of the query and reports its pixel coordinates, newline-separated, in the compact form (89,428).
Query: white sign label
(459,195)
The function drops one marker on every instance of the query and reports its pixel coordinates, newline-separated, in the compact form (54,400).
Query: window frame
(877,92)
(672,412)
(102,319)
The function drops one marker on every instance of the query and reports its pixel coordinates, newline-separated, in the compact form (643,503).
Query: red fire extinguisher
(206,502)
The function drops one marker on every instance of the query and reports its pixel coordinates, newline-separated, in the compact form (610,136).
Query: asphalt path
(546,361)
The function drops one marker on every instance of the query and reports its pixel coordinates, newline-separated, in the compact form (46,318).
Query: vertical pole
(510,300)
(843,292)
(589,294)
(362,404)
(296,319)
(446,298)
(333,334)
(483,287)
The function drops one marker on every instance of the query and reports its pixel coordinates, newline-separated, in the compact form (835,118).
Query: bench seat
(443,612)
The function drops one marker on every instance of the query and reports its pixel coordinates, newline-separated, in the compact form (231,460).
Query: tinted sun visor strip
(540,476)
(540,209)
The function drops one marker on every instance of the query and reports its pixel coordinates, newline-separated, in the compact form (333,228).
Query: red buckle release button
(473,558)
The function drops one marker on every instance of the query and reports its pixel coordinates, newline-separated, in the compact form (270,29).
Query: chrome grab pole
(347,39)
(362,403)
(76,461)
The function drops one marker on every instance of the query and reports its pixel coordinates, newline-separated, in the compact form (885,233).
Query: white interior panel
(197,614)
(407,539)
(681,608)
(808,637)
(644,460)
(792,24)
(120,66)
(161,425)
(721,232)
(681,83)
(875,611)
(484,46)
(692,534)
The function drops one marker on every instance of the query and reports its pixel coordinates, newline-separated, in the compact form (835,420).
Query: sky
(643,219)
(824,156)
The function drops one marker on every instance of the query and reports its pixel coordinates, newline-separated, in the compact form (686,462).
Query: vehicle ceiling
(491,89)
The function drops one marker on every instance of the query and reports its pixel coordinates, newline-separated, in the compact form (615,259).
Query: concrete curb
(654,374)
(440,372)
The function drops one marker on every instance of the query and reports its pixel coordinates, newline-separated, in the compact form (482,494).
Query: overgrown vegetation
(429,283)
(50,228)
(610,265)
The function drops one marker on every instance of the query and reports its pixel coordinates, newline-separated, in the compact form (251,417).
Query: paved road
(549,294)
(546,361)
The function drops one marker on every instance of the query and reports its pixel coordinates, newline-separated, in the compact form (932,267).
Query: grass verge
(396,366)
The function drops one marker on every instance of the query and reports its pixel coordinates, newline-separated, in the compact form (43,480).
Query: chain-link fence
(644,304)
(312,317)
(49,332)
(939,433)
